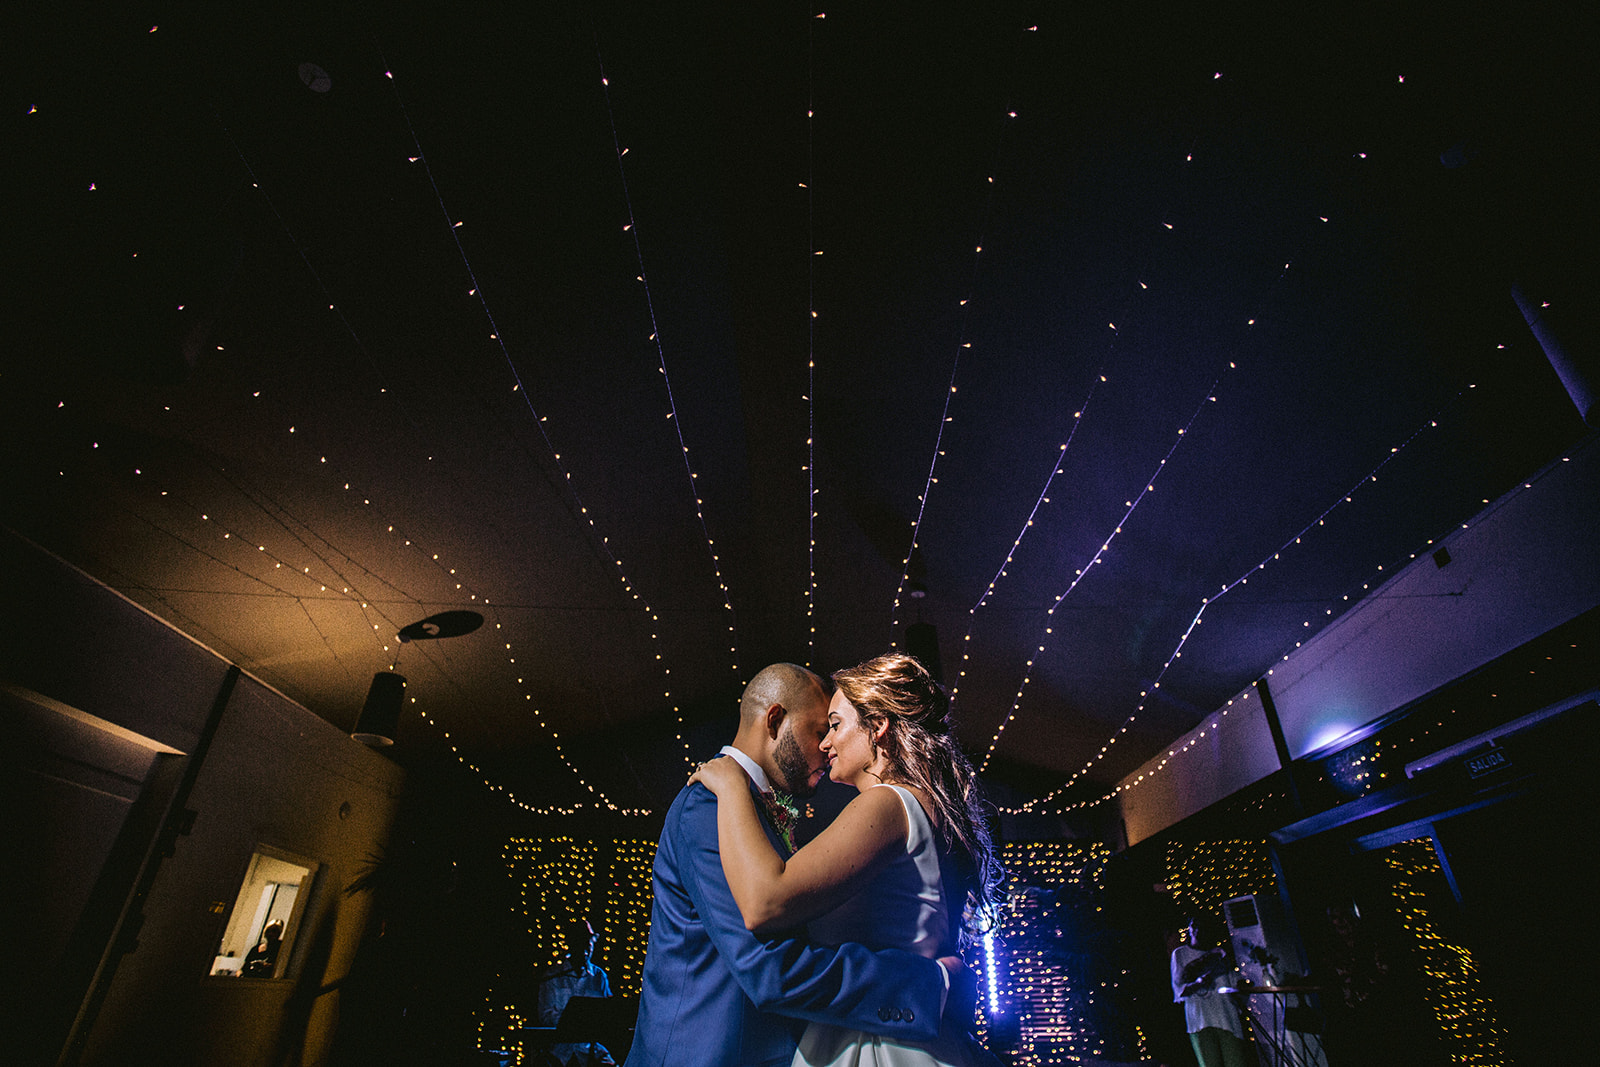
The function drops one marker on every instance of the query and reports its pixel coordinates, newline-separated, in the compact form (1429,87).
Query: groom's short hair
(788,684)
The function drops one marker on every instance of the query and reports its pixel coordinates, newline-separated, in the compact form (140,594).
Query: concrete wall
(1527,563)
(275,774)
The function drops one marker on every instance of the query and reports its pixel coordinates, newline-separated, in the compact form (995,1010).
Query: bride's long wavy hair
(897,690)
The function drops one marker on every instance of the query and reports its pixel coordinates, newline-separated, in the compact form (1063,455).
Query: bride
(898,868)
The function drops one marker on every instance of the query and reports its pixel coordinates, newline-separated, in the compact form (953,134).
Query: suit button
(883,1013)
(910,1015)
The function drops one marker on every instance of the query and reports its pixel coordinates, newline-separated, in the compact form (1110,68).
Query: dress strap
(918,827)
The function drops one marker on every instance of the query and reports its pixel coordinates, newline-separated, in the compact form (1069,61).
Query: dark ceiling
(561,313)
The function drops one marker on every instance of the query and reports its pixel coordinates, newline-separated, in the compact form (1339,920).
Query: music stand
(606,1020)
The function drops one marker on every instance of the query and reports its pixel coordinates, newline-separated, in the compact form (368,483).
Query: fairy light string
(1352,757)
(962,345)
(449,574)
(279,560)
(291,525)
(632,229)
(1042,499)
(812,252)
(1345,498)
(601,801)
(1136,297)
(196,628)
(1027,524)
(316,276)
(1056,468)
(343,587)
(1047,630)
(1132,505)
(604,542)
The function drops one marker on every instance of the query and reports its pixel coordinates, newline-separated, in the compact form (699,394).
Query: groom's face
(798,753)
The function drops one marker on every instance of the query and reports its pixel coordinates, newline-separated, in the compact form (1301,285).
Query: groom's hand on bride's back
(961,1006)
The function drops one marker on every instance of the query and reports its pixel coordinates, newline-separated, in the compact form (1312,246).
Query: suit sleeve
(893,993)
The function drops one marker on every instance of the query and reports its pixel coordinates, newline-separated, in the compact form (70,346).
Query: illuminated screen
(1242,913)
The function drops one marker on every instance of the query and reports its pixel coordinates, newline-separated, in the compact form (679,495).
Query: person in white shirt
(1215,1029)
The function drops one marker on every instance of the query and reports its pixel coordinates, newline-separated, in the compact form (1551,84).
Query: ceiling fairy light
(539,421)
(1099,555)
(257,582)
(963,343)
(632,230)
(1043,496)
(340,585)
(378,722)
(1047,629)
(811,349)
(1027,524)
(1346,497)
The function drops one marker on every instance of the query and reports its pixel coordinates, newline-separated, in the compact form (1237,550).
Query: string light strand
(604,543)
(1348,598)
(632,228)
(811,344)
(963,344)
(1105,546)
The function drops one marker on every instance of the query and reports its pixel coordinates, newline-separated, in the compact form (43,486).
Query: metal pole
(1577,374)
(1280,744)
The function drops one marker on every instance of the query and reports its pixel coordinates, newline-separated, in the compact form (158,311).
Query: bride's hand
(961,1005)
(720,775)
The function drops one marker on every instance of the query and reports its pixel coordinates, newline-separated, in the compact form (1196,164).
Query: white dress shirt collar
(757,775)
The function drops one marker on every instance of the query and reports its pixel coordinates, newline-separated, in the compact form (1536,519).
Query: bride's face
(847,744)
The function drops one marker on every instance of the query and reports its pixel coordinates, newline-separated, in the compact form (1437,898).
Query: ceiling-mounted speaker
(314,78)
(380,715)
(922,641)
(444,624)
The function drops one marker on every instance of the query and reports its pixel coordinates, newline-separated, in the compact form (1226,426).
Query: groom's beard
(793,767)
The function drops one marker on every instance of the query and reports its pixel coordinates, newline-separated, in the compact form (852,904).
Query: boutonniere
(784,815)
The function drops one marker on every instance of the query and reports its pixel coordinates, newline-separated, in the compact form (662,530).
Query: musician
(577,975)
(1215,1029)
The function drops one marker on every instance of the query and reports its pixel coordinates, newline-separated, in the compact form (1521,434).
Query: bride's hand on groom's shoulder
(720,775)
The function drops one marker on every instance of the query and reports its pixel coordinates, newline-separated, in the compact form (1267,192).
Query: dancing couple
(853,938)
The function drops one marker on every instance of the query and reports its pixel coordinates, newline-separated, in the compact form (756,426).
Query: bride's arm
(775,895)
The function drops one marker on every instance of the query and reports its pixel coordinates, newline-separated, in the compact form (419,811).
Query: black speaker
(380,716)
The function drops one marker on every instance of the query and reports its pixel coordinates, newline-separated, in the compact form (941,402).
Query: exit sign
(1482,764)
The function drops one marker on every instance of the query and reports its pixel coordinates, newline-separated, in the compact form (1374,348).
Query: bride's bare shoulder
(875,804)
(880,803)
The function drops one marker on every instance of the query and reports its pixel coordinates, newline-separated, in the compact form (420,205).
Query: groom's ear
(774,720)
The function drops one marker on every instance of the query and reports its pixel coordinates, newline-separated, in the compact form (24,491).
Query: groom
(716,996)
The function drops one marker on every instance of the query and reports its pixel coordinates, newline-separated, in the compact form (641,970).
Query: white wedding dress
(905,906)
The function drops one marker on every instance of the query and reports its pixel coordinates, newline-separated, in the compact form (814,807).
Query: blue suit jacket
(715,995)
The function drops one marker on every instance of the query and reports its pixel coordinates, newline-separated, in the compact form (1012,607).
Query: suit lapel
(765,815)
